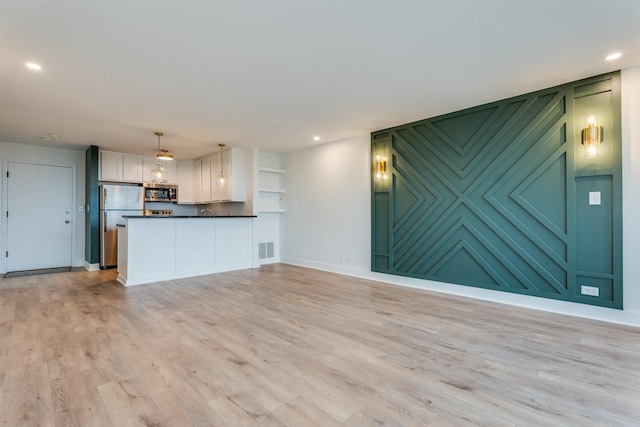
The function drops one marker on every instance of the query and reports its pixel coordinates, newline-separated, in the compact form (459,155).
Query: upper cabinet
(110,166)
(206,173)
(234,170)
(197,180)
(186,187)
(120,167)
(132,168)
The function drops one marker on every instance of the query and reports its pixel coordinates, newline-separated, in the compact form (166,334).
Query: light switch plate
(594,197)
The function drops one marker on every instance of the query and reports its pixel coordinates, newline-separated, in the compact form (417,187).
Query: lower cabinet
(159,249)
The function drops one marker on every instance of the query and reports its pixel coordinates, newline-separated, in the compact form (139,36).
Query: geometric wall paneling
(497,196)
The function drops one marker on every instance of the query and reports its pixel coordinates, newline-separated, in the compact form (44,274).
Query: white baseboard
(91,267)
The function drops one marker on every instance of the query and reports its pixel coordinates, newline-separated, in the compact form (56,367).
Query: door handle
(67,222)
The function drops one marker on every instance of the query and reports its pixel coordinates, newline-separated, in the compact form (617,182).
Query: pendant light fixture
(162,154)
(221,178)
(159,174)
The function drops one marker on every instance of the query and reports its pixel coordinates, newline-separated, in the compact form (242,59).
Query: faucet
(207,212)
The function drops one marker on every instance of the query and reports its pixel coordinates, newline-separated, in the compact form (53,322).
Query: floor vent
(39,271)
(265,250)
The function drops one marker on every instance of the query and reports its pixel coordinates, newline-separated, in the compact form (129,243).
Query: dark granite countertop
(190,216)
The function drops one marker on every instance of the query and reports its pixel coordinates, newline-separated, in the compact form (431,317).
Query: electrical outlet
(347,258)
(590,290)
(594,198)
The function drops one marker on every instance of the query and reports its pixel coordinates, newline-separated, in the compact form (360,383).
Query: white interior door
(40,216)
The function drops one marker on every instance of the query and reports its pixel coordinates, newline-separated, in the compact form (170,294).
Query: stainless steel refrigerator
(115,202)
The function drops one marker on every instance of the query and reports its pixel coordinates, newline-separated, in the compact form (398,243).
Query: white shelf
(271,190)
(271,210)
(272,170)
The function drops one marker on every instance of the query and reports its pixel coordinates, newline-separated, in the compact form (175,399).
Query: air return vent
(265,250)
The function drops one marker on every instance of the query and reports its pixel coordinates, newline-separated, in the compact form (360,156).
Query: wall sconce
(380,167)
(592,136)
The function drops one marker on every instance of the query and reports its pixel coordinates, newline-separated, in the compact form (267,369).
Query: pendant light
(162,154)
(159,174)
(221,177)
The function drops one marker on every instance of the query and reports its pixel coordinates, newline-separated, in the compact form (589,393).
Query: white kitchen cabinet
(131,168)
(186,187)
(206,179)
(201,180)
(121,167)
(190,247)
(234,167)
(197,180)
(110,166)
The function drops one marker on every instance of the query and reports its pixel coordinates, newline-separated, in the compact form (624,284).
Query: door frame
(4,224)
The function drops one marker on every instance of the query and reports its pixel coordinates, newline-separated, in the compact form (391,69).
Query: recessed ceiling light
(613,56)
(50,137)
(33,66)
(316,138)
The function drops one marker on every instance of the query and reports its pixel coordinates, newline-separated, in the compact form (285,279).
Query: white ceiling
(272,74)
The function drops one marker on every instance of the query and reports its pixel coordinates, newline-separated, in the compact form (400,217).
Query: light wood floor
(283,345)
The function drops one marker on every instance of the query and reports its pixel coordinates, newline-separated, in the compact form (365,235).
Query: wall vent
(265,250)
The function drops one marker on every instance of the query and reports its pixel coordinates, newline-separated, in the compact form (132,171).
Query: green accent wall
(92,209)
(497,196)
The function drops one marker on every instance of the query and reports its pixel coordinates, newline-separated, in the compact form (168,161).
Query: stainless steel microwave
(154,192)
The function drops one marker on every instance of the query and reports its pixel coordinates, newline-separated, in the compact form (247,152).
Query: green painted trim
(92,227)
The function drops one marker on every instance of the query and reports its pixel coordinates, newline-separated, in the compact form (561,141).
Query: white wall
(328,207)
(329,216)
(53,156)
(631,188)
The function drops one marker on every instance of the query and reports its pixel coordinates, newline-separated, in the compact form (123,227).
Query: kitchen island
(154,249)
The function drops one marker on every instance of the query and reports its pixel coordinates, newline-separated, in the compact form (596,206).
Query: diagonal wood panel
(471,193)
(496,197)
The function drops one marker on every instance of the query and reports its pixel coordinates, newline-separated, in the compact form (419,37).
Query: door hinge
(6,255)
(7,174)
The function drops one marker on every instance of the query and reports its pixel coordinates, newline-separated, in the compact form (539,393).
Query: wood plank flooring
(288,346)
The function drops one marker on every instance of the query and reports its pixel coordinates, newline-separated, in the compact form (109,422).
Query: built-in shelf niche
(270,197)
(270,183)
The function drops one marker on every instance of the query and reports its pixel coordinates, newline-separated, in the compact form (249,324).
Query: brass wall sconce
(592,137)
(380,167)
